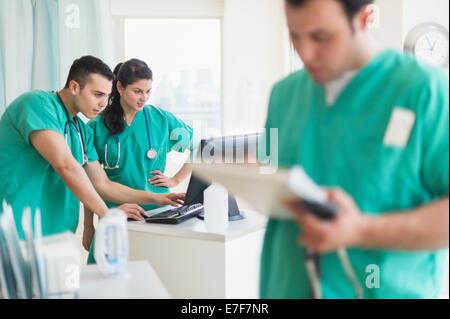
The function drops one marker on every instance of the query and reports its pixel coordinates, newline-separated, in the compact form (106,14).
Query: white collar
(334,87)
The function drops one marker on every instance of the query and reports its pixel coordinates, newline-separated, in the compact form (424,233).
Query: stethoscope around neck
(76,122)
(151,153)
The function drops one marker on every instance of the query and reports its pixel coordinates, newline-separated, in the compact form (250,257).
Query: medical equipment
(106,152)
(314,200)
(111,243)
(313,260)
(151,153)
(75,122)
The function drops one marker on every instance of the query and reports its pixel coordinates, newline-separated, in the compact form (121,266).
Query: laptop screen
(194,193)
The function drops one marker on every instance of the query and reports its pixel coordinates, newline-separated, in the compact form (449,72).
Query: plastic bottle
(111,243)
(216,209)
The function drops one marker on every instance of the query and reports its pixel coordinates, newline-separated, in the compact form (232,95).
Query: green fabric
(26,178)
(135,167)
(342,146)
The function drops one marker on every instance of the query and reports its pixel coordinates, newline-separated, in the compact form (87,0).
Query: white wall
(167,8)
(419,11)
(253,60)
(388,32)
(398,17)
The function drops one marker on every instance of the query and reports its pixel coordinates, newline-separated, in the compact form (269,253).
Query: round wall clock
(429,42)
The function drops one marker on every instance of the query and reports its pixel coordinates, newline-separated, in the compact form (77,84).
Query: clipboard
(265,191)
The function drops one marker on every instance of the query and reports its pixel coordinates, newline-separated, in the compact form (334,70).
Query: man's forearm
(424,228)
(79,184)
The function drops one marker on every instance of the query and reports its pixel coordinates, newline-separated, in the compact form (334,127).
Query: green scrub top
(167,133)
(26,178)
(342,146)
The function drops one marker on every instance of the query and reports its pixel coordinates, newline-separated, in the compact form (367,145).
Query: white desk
(142,282)
(193,263)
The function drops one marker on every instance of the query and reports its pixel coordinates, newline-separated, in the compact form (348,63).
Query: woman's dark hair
(126,73)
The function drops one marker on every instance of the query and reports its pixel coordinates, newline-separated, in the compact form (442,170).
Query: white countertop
(195,228)
(140,282)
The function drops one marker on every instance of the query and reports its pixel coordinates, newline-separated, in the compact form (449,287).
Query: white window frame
(168,9)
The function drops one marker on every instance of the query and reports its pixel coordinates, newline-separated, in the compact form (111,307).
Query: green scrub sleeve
(435,102)
(180,134)
(36,114)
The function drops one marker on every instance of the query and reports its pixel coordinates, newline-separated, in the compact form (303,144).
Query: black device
(193,206)
(325,211)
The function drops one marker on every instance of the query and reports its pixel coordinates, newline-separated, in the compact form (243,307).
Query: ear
(74,87)
(366,17)
(119,87)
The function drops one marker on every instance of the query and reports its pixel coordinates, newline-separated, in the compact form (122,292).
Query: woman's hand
(161,180)
(169,199)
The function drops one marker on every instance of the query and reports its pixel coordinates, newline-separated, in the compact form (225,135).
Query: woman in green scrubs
(132,138)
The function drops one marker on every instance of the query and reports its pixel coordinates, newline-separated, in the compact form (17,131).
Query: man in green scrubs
(48,158)
(373,127)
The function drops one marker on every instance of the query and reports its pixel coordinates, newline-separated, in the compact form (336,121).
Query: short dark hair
(351,7)
(81,69)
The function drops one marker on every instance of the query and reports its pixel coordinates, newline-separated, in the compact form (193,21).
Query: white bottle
(216,209)
(111,243)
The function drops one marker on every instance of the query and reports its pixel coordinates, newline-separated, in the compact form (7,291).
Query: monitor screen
(194,193)
(236,149)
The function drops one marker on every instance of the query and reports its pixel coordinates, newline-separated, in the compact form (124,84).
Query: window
(185,57)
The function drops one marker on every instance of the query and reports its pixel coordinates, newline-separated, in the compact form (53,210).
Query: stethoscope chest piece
(151,154)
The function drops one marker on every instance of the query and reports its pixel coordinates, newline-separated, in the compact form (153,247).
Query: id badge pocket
(399,129)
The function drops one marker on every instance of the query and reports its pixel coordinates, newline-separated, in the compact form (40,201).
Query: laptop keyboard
(176,215)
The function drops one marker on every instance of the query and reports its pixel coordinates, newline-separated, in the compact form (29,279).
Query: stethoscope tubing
(77,128)
(118,144)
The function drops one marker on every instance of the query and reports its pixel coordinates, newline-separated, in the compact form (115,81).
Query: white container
(111,243)
(215,202)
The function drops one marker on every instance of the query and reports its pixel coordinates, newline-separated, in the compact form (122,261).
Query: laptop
(193,205)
